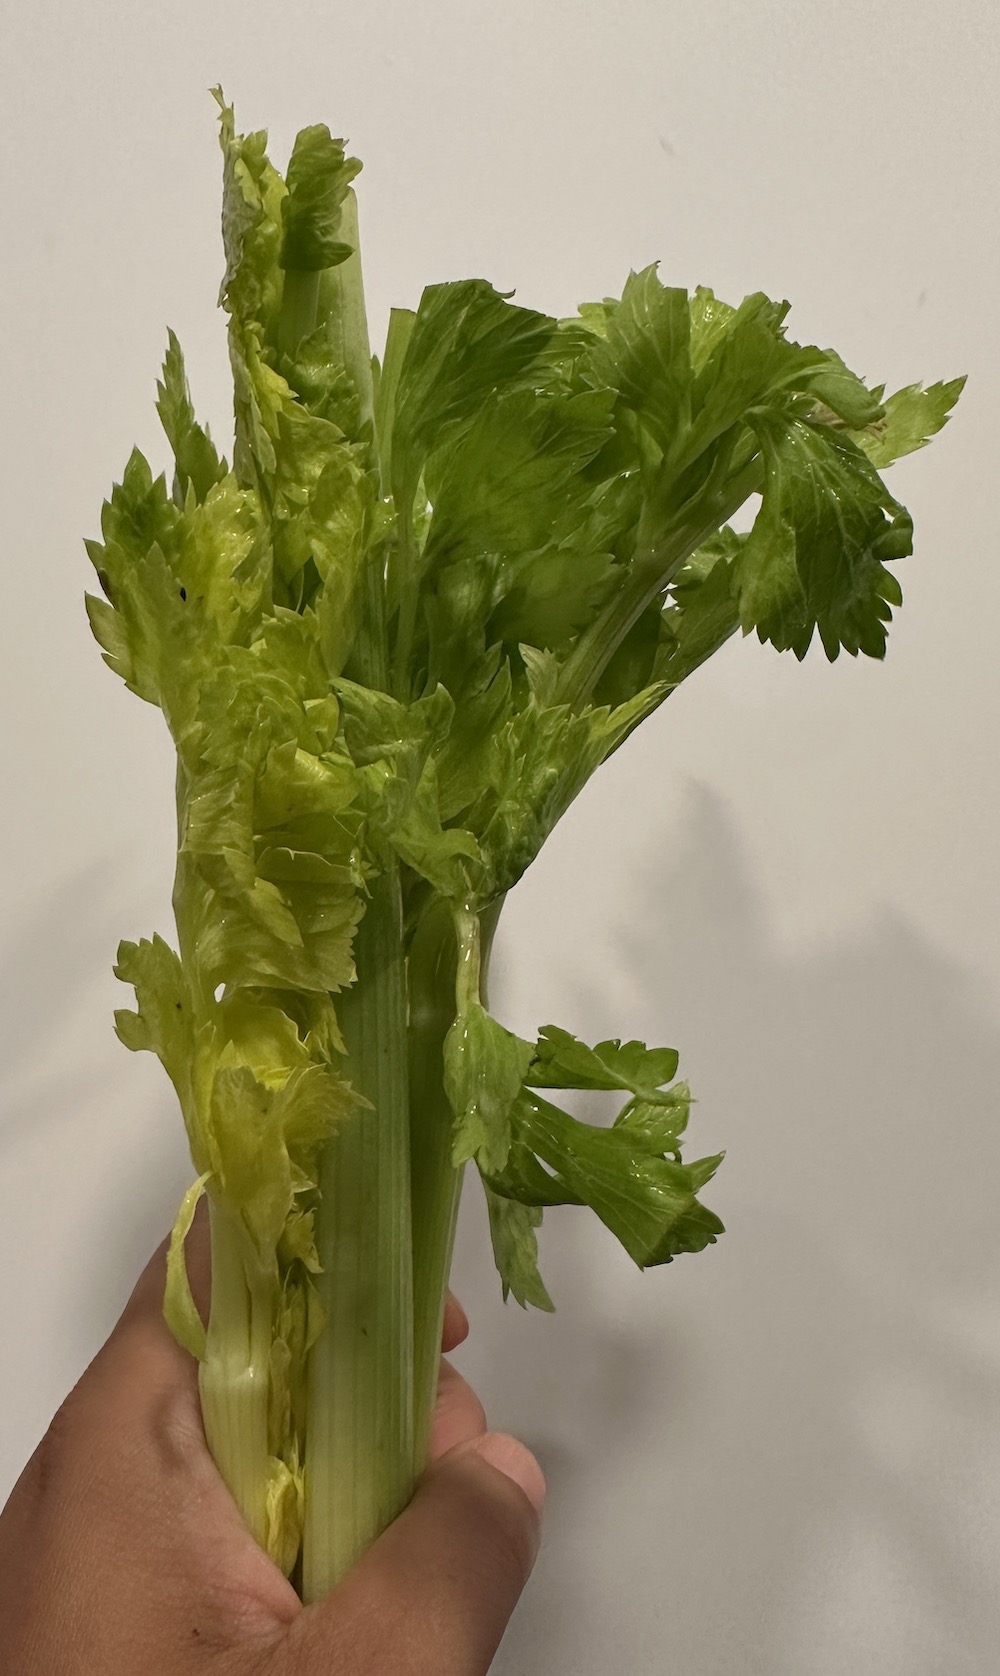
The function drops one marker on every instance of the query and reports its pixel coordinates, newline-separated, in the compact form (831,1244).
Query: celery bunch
(391,642)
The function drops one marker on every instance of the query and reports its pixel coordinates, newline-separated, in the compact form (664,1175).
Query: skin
(122,1551)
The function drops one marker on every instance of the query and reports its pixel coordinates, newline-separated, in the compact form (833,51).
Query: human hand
(123,1554)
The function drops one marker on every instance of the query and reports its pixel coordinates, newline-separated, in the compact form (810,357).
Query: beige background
(782,1457)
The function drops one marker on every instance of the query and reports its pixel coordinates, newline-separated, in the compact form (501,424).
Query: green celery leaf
(298,1240)
(315,370)
(541,672)
(750,360)
(254,933)
(844,393)
(538,761)
(259,1138)
(166,1021)
(513,476)
(448,858)
(322,511)
(465,759)
(401,324)
(711,320)
(252,227)
(662,1122)
(395,747)
(262,1038)
(269,838)
(252,291)
(912,416)
(392,744)
(184,585)
(467,342)
(457,606)
(561,1061)
(644,354)
(163,1023)
(550,595)
(484,1068)
(515,1247)
(197,462)
(284,1502)
(378,727)
(139,515)
(649,1202)
(703,611)
(632,666)
(691,368)
(319,176)
(814,558)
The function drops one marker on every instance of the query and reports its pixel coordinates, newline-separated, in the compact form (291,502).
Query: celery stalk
(234,1378)
(359,1432)
(436,1182)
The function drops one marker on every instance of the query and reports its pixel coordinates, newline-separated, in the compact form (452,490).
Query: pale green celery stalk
(406,567)
(335,295)
(448,964)
(359,1449)
(359,1457)
(299,309)
(234,1377)
(435,1182)
(341,301)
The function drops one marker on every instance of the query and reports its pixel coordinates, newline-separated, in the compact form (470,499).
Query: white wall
(782,1456)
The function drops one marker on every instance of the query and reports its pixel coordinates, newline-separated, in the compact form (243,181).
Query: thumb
(432,1597)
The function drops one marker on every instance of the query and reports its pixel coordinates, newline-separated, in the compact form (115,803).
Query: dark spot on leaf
(184,593)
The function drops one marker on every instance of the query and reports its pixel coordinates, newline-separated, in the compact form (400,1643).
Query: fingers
(456,1324)
(142,1373)
(459,1415)
(434,1594)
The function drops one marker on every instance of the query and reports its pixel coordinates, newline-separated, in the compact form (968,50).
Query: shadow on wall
(778,1457)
